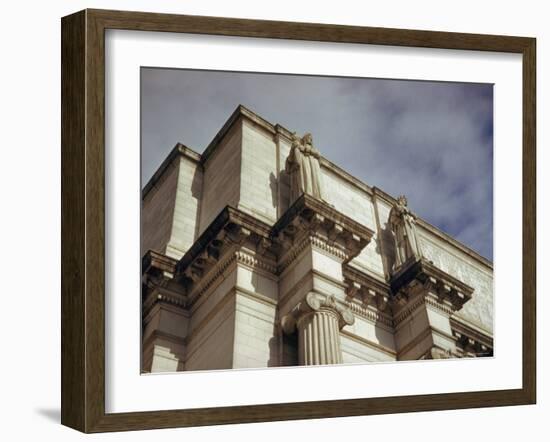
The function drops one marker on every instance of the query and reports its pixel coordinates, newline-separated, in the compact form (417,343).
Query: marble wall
(235,323)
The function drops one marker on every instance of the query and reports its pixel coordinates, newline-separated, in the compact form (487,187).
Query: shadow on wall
(386,238)
(273,186)
(196,192)
(283,189)
(274,349)
(383,337)
(264,288)
(385,241)
(51,414)
(289,349)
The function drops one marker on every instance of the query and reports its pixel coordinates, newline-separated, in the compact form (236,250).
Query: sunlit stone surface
(253,257)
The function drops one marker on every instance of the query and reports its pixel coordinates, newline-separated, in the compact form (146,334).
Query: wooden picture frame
(83,220)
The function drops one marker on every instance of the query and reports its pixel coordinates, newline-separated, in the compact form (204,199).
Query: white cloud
(430,141)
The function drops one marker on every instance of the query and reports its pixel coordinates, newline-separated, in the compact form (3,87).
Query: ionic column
(318,320)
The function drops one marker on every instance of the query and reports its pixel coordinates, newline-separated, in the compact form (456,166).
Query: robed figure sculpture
(303,168)
(403,225)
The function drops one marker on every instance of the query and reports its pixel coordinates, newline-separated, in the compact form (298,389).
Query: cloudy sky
(431,141)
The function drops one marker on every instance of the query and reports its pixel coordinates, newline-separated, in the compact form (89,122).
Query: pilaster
(313,242)
(165,316)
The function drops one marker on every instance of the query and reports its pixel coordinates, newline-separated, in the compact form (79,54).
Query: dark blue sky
(432,141)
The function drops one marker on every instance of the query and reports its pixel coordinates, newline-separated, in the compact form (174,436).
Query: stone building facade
(262,253)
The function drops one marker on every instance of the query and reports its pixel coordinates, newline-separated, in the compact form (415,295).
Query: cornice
(320,243)
(424,273)
(241,112)
(472,346)
(283,132)
(179,150)
(158,285)
(412,304)
(406,311)
(235,223)
(230,227)
(253,262)
(307,221)
(154,261)
(211,257)
(312,221)
(294,251)
(468,335)
(353,181)
(160,296)
(306,206)
(236,256)
(438,305)
(368,289)
(205,283)
(315,241)
(371,315)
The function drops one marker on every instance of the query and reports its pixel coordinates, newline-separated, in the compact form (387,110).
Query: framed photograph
(272,220)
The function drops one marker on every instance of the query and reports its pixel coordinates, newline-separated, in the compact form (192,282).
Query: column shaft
(319,338)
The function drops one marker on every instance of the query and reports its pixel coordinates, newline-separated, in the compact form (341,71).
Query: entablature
(231,227)
(307,220)
(158,285)
(369,290)
(424,275)
(313,220)
(470,340)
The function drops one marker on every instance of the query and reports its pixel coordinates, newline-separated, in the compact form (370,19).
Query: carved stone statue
(294,167)
(403,225)
(303,167)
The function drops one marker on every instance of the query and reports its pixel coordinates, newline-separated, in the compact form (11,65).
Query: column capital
(315,302)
